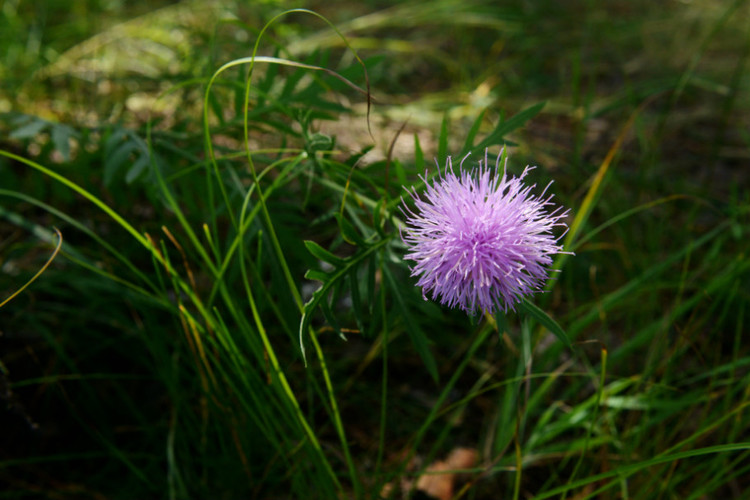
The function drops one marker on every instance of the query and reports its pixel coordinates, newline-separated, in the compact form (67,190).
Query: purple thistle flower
(479,240)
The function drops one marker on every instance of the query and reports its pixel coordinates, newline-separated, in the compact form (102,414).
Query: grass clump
(226,311)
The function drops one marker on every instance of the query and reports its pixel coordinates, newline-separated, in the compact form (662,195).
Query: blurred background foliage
(647,101)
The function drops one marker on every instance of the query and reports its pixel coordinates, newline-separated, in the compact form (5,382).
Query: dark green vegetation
(158,355)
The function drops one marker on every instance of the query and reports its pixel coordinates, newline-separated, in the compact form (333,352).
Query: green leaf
(349,232)
(515,122)
(113,162)
(400,172)
(329,280)
(331,319)
(316,275)
(443,139)
(138,167)
(318,142)
(618,474)
(321,253)
(501,321)
(378,221)
(545,320)
(291,81)
(60,135)
(356,300)
(469,144)
(418,155)
(417,336)
(31,127)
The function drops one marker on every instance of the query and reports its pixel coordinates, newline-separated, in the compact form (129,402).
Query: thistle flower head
(480,239)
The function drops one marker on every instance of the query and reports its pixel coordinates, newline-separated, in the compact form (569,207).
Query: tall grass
(228,313)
